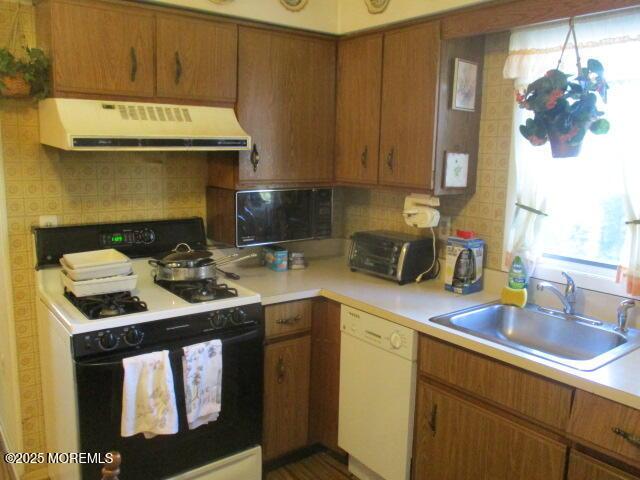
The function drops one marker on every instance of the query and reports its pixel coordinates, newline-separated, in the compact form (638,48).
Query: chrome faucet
(623,310)
(568,299)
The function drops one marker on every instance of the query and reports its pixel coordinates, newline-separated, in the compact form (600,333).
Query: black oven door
(239,426)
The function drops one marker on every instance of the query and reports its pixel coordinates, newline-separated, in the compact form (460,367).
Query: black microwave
(264,217)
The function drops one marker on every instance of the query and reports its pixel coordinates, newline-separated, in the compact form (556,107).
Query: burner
(107,305)
(199,290)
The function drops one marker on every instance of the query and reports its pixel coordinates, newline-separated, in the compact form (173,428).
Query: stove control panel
(128,237)
(166,331)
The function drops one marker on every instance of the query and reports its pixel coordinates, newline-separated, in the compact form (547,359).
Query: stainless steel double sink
(575,341)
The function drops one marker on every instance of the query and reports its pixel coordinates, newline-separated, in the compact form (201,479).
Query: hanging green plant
(28,77)
(564,110)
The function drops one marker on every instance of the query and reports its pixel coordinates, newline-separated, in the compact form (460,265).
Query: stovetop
(199,290)
(96,307)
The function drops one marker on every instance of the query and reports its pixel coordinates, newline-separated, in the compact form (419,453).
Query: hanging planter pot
(14,86)
(565,110)
(22,78)
(561,148)
(25,75)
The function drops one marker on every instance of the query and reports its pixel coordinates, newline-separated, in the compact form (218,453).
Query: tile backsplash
(483,212)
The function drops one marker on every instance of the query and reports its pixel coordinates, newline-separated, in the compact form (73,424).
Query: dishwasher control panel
(377,331)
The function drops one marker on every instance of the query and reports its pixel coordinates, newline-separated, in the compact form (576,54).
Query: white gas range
(81,358)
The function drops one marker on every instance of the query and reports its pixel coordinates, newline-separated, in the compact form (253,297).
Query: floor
(320,466)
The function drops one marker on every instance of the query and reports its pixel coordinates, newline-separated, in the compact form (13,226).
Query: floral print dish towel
(148,396)
(202,371)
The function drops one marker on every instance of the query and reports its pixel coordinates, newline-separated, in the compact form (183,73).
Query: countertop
(412,305)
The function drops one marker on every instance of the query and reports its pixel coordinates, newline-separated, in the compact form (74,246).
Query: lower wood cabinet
(607,425)
(286,396)
(325,374)
(457,439)
(583,467)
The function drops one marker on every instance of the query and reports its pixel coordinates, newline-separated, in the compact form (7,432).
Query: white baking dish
(101,271)
(99,286)
(94,258)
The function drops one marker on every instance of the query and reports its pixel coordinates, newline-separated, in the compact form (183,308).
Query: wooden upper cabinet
(197,59)
(409,99)
(286,102)
(358,109)
(102,48)
(456,439)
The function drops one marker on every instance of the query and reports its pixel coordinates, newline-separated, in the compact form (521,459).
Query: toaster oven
(395,256)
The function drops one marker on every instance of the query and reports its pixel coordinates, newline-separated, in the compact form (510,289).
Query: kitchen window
(585,229)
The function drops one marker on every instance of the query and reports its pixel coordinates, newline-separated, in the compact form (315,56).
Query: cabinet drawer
(583,467)
(522,392)
(287,318)
(597,420)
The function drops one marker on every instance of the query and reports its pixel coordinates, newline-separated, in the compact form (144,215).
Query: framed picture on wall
(456,170)
(465,84)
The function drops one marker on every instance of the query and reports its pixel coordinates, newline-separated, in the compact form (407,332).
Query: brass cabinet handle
(363,157)
(178,68)
(289,321)
(280,369)
(433,417)
(629,437)
(390,160)
(134,64)
(255,157)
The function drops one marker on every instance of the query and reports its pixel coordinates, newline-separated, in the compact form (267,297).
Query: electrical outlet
(444,228)
(48,221)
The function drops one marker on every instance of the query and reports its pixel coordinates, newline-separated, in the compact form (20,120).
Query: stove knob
(241,316)
(217,320)
(107,341)
(133,337)
(148,236)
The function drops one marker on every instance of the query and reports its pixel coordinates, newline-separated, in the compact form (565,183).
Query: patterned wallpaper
(76,187)
(483,212)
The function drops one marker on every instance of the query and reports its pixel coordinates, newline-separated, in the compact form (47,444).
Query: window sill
(589,278)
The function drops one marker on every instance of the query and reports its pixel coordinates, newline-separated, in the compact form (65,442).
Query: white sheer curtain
(631,261)
(614,39)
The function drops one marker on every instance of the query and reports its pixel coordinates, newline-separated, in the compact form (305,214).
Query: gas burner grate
(95,307)
(199,290)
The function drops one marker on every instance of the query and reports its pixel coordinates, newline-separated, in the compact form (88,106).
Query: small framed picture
(456,170)
(465,83)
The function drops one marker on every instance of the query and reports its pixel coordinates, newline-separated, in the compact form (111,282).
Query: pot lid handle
(188,248)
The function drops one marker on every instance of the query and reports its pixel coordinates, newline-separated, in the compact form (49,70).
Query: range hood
(98,125)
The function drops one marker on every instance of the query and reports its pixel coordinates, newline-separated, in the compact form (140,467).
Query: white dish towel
(202,371)
(148,396)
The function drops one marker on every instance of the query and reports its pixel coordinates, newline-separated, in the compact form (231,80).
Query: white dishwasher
(377,395)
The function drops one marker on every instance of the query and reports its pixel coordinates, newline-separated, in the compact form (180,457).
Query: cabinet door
(102,48)
(286,102)
(197,59)
(286,396)
(358,109)
(325,373)
(583,467)
(457,439)
(409,99)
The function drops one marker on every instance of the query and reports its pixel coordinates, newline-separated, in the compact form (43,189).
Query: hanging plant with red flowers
(565,110)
